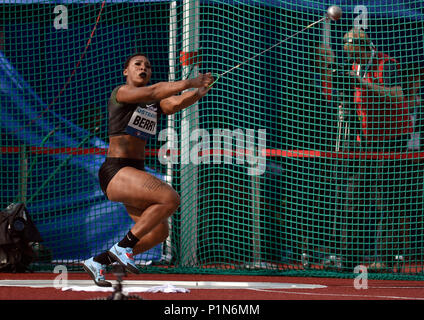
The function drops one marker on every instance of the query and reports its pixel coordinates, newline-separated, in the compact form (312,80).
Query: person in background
(380,124)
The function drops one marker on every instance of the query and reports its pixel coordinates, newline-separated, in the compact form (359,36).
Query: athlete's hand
(203,80)
(208,79)
(202,91)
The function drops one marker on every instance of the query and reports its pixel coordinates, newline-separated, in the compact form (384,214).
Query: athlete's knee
(172,200)
(177,201)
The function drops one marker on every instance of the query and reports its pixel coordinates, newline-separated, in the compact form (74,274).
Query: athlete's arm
(174,104)
(158,91)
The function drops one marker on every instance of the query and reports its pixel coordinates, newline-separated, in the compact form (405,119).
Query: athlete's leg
(157,235)
(139,189)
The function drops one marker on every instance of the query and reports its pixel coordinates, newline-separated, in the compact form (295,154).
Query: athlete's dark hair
(127,62)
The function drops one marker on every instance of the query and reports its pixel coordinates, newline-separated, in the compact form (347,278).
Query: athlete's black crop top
(120,115)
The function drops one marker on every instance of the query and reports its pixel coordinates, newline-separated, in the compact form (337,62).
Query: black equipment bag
(17,235)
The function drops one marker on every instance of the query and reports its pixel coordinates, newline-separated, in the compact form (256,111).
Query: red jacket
(380,120)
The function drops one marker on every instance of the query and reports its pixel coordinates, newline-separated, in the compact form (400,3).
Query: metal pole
(189,122)
(172,55)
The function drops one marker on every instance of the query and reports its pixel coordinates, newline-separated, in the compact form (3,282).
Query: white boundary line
(150,283)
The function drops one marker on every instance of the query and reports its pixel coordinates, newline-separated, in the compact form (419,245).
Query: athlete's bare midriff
(126,146)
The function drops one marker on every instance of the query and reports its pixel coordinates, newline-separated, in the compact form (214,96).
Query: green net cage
(303,159)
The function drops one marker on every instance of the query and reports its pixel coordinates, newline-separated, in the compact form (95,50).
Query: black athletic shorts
(111,166)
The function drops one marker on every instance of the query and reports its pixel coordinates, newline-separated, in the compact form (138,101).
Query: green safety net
(282,169)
